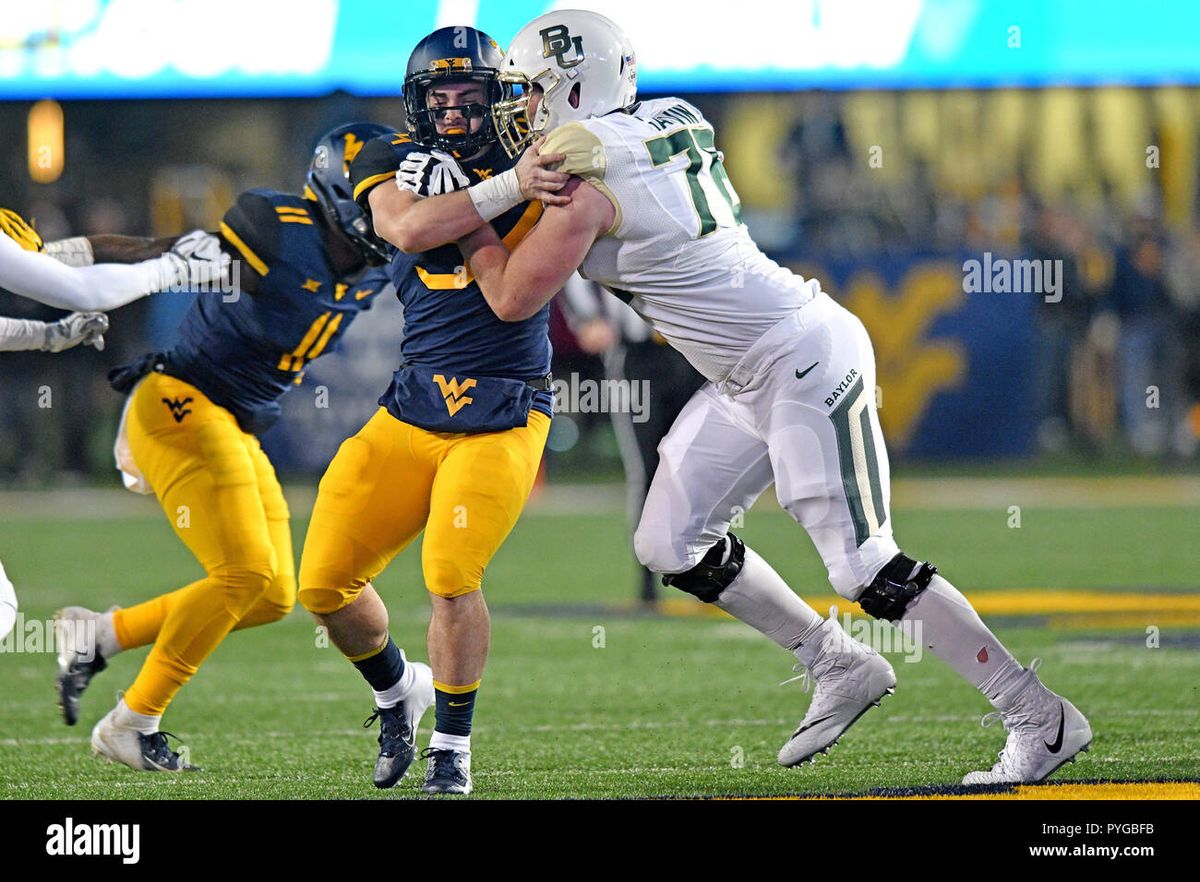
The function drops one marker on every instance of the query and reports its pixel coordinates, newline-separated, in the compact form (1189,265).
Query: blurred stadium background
(878,162)
(876,146)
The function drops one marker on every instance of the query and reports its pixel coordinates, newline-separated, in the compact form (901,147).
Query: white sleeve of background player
(8,604)
(580,300)
(20,335)
(96,288)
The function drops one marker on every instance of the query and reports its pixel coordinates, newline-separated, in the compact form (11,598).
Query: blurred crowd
(1117,359)
(1117,363)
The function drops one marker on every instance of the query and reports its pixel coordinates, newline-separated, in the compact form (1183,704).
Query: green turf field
(586,697)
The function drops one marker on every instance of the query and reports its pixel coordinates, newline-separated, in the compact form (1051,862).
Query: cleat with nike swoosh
(398,729)
(449,771)
(113,739)
(1044,732)
(850,679)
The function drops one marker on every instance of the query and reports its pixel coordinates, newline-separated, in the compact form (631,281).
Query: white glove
(79,327)
(431,174)
(198,244)
(194,261)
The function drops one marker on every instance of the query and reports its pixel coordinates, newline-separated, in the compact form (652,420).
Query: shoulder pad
(377,162)
(252,226)
(585,158)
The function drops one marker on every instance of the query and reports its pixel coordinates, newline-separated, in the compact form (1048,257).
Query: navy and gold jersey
(293,307)
(448,325)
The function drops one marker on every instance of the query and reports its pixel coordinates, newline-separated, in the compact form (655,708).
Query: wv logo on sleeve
(179,409)
(454,392)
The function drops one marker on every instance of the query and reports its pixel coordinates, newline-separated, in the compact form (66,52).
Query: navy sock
(455,710)
(384,668)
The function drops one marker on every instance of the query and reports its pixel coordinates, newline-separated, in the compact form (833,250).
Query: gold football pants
(391,481)
(220,493)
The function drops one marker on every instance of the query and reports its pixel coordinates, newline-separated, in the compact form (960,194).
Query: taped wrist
(18,335)
(496,195)
(72,252)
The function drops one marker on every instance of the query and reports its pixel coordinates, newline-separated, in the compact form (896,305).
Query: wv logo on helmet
(454,393)
(179,409)
(557,42)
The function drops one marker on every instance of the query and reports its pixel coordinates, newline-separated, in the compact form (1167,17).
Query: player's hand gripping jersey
(464,369)
(245,353)
(677,250)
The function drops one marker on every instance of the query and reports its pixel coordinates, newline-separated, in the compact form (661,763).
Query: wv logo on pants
(454,392)
(179,409)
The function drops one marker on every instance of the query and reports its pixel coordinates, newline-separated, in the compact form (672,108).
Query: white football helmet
(584,64)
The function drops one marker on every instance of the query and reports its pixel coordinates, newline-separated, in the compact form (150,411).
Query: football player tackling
(189,435)
(455,446)
(790,398)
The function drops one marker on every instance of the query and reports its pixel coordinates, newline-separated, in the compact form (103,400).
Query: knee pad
(653,550)
(325,601)
(245,581)
(446,577)
(900,581)
(710,577)
(280,597)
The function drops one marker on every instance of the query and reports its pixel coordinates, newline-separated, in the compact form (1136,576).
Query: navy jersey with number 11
(244,354)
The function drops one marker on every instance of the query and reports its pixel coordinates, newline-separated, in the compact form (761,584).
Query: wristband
(496,195)
(72,252)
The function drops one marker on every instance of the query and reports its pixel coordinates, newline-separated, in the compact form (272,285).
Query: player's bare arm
(414,224)
(128,249)
(517,285)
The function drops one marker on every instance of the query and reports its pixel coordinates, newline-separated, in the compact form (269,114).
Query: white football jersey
(678,250)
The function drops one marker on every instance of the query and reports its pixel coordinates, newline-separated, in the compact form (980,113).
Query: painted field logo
(1002,276)
(94,840)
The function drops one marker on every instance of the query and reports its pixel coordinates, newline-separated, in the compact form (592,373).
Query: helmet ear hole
(573,96)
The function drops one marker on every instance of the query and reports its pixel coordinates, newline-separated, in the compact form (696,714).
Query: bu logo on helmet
(557,41)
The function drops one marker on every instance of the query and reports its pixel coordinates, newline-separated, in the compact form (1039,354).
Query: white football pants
(799,410)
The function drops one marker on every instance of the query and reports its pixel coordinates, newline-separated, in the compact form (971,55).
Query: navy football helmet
(329,184)
(453,54)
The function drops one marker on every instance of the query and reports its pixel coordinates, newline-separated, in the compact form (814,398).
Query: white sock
(760,598)
(952,630)
(106,635)
(442,741)
(399,690)
(8,604)
(144,723)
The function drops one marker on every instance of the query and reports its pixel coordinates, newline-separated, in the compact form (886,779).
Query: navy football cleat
(398,728)
(78,658)
(397,744)
(449,771)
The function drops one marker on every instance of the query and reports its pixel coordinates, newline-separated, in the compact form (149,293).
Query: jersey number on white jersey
(705,174)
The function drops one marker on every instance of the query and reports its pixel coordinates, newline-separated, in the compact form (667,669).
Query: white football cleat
(850,679)
(1044,732)
(116,741)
